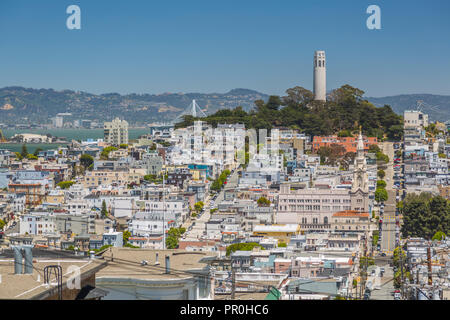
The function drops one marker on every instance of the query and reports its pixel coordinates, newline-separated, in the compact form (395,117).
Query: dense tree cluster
(173,235)
(336,154)
(424,215)
(343,113)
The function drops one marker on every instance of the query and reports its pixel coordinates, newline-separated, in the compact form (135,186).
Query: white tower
(320,76)
(359,193)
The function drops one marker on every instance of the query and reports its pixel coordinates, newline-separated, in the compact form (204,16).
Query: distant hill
(25,105)
(437,107)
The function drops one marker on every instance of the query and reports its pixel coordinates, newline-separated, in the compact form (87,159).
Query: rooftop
(350,213)
(31,286)
(127,264)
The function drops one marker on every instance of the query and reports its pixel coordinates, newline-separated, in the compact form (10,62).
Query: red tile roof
(350,213)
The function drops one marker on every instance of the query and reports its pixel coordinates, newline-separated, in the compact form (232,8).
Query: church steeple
(360,178)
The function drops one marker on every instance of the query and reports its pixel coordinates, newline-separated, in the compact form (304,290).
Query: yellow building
(282,232)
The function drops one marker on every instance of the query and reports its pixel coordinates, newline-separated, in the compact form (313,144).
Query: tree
(424,215)
(298,96)
(344,133)
(104,211)
(263,202)
(86,160)
(381,184)
(126,236)
(36,152)
(31,157)
(24,151)
(242,247)
(273,103)
(282,245)
(2,224)
(381,174)
(381,157)
(439,236)
(18,155)
(171,242)
(104,155)
(381,195)
(123,146)
(373,148)
(375,237)
(65,184)
(198,206)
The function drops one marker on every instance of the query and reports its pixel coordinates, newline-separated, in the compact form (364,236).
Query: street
(388,225)
(198,224)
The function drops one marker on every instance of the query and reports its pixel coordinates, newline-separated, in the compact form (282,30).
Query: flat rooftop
(31,286)
(126,264)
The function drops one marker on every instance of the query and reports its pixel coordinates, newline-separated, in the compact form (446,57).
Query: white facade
(415,119)
(37,223)
(116,132)
(320,76)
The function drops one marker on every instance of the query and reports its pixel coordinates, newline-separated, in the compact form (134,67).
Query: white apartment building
(116,132)
(37,223)
(415,119)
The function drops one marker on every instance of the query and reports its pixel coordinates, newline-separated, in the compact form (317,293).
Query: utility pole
(164,211)
(430,270)
(401,268)
(233,282)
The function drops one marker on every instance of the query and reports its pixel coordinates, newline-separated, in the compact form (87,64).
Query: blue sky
(214,46)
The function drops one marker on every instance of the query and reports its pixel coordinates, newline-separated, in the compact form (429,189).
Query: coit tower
(320,76)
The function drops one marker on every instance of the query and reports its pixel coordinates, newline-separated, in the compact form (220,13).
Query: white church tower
(320,76)
(360,188)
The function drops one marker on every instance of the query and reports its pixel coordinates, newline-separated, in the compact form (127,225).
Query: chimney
(28,255)
(17,259)
(167,264)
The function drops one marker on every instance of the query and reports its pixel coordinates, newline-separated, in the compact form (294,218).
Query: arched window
(325,220)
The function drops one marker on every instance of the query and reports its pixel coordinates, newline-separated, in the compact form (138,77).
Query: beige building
(415,119)
(55,196)
(313,208)
(350,221)
(98,178)
(116,132)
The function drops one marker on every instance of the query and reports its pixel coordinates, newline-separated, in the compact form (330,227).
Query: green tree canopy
(126,235)
(381,174)
(263,202)
(381,195)
(424,215)
(86,160)
(242,247)
(345,110)
(439,236)
(24,151)
(104,211)
(104,155)
(65,184)
(381,184)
